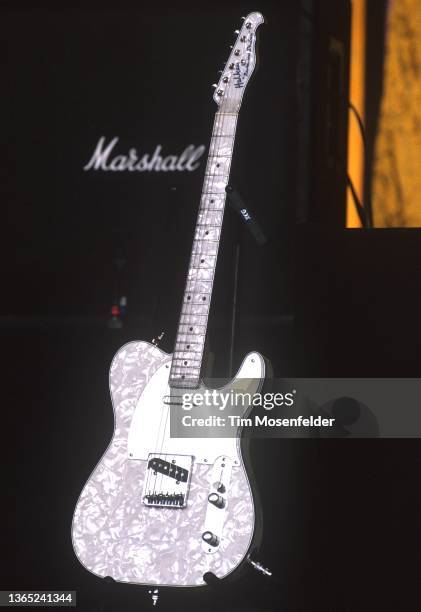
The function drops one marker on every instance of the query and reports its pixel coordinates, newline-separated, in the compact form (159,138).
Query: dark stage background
(340,518)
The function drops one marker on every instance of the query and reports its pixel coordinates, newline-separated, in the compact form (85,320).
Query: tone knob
(210,538)
(236,52)
(216,500)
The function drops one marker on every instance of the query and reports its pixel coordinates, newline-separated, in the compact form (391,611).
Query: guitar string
(195,282)
(192,284)
(200,244)
(206,198)
(186,311)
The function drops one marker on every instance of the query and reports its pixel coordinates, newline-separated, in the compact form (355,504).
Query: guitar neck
(191,333)
(192,327)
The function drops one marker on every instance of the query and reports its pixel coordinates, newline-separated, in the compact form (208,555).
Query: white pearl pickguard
(114,533)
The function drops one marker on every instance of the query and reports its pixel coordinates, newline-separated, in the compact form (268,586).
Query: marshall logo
(102,159)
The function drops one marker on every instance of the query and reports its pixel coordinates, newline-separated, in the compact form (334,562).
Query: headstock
(239,67)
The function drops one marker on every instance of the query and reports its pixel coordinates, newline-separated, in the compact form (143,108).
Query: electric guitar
(161,510)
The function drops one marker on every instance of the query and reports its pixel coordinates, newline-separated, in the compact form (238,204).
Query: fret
(189,344)
(199,287)
(184,383)
(213,202)
(207,248)
(202,301)
(207,235)
(215,217)
(206,225)
(193,288)
(196,305)
(200,264)
(194,322)
(193,319)
(196,290)
(206,243)
(202,261)
(206,209)
(189,338)
(200,275)
(186,377)
(216,193)
(191,330)
(187,355)
(180,370)
(186,361)
(196,309)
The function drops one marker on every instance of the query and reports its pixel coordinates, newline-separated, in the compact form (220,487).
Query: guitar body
(122,527)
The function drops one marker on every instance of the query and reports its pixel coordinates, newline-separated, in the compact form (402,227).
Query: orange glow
(357,98)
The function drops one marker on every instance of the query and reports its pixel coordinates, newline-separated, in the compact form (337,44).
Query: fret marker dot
(204,299)
(191,328)
(185,363)
(202,261)
(206,233)
(188,297)
(188,346)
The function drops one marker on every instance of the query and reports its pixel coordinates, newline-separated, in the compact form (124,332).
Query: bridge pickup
(167,480)
(165,500)
(169,469)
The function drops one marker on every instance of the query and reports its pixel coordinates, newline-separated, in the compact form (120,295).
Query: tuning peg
(230,46)
(220,71)
(243,18)
(215,85)
(236,31)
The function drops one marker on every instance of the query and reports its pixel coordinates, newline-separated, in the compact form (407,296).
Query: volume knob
(210,538)
(216,500)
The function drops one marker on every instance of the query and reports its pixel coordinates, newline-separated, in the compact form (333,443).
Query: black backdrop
(335,532)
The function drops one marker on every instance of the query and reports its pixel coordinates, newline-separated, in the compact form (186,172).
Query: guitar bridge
(167,480)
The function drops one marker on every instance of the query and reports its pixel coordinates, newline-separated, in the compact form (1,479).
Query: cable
(366,208)
(362,213)
(360,124)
